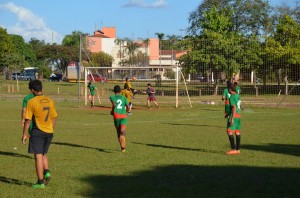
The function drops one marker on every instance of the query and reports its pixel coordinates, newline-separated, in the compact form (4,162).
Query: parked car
(55,77)
(24,76)
(15,75)
(97,78)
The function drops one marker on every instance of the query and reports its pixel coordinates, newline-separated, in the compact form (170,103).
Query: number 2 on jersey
(119,104)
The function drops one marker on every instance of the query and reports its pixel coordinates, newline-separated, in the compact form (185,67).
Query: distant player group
(38,118)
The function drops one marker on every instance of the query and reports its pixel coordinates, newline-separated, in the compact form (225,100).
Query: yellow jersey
(41,110)
(128,94)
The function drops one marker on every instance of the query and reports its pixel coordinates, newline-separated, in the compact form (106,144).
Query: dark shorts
(39,142)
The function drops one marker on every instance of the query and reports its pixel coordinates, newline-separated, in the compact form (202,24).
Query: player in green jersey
(24,106)
(92,90)
(119,110)
(234,121)
(226,96)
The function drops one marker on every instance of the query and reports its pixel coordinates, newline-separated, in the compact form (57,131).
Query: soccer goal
(169,84)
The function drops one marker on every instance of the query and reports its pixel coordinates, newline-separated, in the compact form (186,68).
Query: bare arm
(25,129)
(112,108)
(23,112)
(53,122)
(233,115)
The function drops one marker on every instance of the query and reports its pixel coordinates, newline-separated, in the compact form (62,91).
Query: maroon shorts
(151,98)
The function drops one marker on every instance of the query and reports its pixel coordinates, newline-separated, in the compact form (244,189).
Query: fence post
(256,91)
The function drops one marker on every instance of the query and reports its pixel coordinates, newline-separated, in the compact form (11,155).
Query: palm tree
(131,48)
(146,44)
(160,37)
(120,42)
(173,39)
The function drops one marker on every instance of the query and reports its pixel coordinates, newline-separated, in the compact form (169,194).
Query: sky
(52,20)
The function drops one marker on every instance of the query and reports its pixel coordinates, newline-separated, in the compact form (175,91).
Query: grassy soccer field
(170,153)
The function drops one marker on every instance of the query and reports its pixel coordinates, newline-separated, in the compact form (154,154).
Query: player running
(119,111)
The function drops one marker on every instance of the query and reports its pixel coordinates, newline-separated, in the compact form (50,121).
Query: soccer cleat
(37,185)
(47,178)
(129,113)
(123,150)
(232,152)
(238,151)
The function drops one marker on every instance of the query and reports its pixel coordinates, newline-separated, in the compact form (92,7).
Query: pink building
(105,40)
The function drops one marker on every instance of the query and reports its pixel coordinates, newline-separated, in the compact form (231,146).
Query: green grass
(170,152)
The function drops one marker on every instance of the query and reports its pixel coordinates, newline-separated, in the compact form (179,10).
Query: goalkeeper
(93,90)
(134,91)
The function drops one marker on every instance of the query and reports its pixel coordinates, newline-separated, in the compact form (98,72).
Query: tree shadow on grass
(178,148)
(198,181)
(200,125)
(13,181)
(15,154)
(79,146)
(288,149)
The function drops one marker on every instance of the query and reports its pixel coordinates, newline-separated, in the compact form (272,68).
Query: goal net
(169,84)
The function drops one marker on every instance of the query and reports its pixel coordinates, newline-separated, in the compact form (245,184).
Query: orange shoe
(232,152)
(238,151)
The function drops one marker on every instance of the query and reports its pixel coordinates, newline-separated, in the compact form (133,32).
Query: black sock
(238,142)
(40,181)
(231,139)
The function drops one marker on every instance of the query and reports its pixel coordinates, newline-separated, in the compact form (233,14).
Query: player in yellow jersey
(128,95)
(41,111)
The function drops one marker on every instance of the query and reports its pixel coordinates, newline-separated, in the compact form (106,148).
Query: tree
(101,59)
(283,49)
(146,44)
(131,48)
(120,42)
(219,48)
(247,16)
(72,39)
(173,40)
(25,55)
(7,49)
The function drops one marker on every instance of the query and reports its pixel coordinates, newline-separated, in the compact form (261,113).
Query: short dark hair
(117,89)
(149,84)
(36,85)
(126,78)
(228,83)
(232,87)
(30,84)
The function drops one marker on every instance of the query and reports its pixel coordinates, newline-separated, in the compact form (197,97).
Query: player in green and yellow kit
(24,106)
(226,96)
(234,120)
(119,111)
(41,111)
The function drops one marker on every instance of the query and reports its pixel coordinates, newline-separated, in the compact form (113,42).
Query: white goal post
(168,80)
